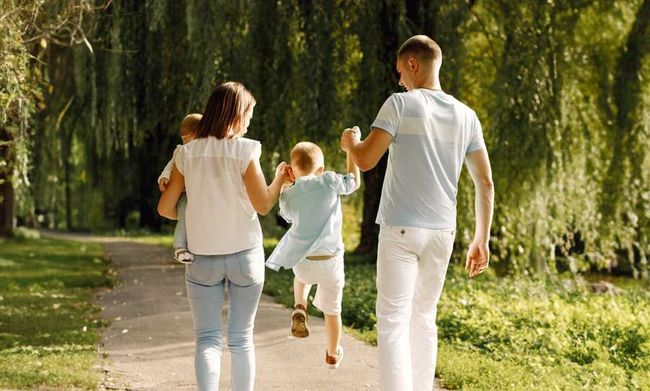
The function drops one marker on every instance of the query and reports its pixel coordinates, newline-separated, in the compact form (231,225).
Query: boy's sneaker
(299,327)
(334,362)
(182,255)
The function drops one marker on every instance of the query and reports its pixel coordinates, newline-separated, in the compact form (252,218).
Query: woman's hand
(283,172)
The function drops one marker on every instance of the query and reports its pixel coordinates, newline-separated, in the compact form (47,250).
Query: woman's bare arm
(169,198)
(263,197)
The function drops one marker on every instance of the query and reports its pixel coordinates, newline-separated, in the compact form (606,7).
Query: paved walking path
(149,343)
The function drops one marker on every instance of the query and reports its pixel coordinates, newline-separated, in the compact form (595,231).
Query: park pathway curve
(149,344)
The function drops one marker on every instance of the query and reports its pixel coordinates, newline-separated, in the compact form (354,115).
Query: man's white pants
(411,268)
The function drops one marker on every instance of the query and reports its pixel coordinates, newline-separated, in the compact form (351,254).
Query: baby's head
(189,127)
(307,159)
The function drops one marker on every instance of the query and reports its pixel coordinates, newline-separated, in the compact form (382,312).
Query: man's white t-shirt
(432,132)
(219,216)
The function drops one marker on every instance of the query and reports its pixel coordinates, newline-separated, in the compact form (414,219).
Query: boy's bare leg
(333,328)
(300,292)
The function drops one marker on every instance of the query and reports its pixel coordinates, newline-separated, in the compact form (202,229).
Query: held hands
(478,258)
(349,137)
(163,183)
(284,173)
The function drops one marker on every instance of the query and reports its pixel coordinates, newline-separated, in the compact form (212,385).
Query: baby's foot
(182,255)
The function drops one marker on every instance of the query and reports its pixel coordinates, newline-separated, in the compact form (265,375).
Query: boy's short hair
(190,123)
(307,156)
(422,47)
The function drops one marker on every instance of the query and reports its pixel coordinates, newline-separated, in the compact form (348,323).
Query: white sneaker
(334,362)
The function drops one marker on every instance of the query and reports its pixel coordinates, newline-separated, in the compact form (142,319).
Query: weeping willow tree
(560,87)
(28,28)
(544,92)
(625,194)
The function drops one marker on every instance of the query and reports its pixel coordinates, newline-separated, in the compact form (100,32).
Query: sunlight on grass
(507,334)
(49,327)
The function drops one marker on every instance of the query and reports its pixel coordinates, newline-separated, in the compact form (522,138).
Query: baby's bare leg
(333,328)
(300,292)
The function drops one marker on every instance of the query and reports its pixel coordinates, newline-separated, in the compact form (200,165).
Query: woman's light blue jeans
(207,278)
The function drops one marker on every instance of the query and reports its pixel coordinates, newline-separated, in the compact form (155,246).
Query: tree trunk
(66,151)
(389,17)
(6,185)
(68,192)
(148,199)
(374,181)
(627,94)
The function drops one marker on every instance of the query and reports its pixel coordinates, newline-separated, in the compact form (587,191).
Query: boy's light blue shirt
(313,207)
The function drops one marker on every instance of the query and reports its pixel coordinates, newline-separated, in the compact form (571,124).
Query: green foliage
(515,334)
(48,324)
(545,91)
(17,95)
(560,87)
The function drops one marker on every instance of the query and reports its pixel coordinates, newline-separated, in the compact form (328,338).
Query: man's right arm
(366,154)
(478,164)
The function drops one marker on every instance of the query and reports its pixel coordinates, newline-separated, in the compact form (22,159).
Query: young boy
(188,133)
(313,246)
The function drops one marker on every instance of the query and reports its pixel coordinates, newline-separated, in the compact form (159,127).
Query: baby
(188,133)
(313,246)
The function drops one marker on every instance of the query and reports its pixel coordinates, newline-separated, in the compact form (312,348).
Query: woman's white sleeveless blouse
(219,216)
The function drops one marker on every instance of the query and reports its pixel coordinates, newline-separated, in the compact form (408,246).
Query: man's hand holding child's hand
(163,183)
(350,137)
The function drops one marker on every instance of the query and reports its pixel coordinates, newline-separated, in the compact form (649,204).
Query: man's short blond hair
(307,156)
(421,47)
(190,123)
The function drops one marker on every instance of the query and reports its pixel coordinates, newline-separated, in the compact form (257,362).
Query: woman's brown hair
(226,109)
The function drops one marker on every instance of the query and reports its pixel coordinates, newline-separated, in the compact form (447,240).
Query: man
(429,133)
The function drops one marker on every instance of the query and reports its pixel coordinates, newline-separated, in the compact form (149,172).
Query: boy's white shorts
(330,279)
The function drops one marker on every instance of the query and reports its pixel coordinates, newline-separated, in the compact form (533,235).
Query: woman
(221,173)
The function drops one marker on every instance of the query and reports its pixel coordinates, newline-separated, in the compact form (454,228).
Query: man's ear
(320,170)
(413,64)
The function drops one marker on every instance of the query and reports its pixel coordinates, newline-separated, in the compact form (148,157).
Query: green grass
(509,334)
(49,327)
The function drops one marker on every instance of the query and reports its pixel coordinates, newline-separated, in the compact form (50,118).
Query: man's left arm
(478,255)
